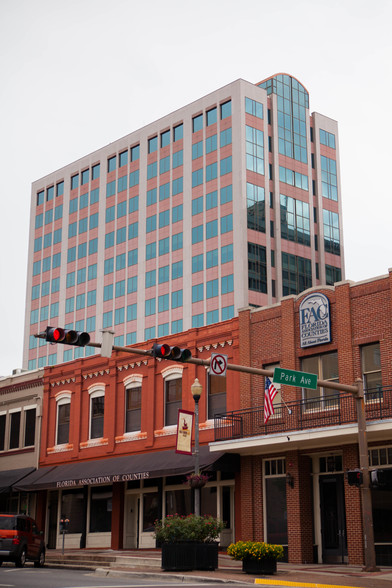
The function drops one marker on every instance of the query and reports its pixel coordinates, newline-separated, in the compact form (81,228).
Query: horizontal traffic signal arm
(206,362)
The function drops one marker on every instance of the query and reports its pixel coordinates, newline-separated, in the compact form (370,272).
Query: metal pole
(366,497)
(197,466)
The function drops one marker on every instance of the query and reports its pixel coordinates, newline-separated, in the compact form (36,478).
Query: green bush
(245,550)
(191,528)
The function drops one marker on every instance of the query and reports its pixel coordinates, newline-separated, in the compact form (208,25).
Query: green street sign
(293,378)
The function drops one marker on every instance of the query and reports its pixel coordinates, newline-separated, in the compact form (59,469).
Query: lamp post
(196,390)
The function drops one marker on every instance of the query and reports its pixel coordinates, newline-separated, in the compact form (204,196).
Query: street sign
(218,365)
(293,378)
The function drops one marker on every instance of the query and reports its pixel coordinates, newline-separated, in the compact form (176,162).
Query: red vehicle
(20,540)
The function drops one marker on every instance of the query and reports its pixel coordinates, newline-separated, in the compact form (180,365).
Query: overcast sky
(78,74)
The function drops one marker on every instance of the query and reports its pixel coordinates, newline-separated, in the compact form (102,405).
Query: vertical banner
(184,432)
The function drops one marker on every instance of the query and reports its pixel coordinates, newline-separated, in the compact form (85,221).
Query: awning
(123,469)
(10,477)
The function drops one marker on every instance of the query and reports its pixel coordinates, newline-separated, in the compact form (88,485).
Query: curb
(106,572)
(298,584)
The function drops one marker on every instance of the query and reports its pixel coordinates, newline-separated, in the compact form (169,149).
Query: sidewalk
(147,564)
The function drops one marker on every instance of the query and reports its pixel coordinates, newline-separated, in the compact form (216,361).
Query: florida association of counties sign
(314,320)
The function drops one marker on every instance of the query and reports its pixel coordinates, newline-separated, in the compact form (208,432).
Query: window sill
(60,448)
(93,443)
(134,436)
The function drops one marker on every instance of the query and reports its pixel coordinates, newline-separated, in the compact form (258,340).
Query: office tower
(230,201)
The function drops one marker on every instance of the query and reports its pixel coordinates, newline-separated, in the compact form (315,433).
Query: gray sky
(78,74)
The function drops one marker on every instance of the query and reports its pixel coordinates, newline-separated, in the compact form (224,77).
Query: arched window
(63,402)
(97,409)
(133,403)
(172,383)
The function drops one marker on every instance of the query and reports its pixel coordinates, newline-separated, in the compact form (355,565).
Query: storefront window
(101,509)
(150,510)
(275,502)
(178,501)
(72,508)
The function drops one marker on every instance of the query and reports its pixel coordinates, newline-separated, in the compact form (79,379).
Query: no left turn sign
(218,365)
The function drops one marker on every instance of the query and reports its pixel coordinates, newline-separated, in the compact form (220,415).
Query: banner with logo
(184,432)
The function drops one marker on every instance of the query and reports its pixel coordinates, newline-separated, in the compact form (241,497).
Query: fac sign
(314,320)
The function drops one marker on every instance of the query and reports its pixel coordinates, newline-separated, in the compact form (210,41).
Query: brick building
(293,486)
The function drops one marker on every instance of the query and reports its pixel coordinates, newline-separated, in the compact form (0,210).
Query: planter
(178,556)
(264,566)
(206,556)
(195,483)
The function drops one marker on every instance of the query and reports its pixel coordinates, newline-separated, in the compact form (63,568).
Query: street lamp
(196,390)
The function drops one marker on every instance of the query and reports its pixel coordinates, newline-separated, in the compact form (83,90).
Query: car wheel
(21,560)
(41,560)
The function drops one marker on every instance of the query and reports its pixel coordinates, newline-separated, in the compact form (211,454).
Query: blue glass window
(225,109)
(93,221)
(294,220)
(226,166)
(177,212)
(120,261)
(133,204)
(212,316)
(225,137)
(34,314)
(164,246)
(163,330)
(165,138)
(36,268)
(164,165)
(74,182)
(83,225)
(152,144)
(177,326)
(82,250)
(45,288)
(177,186)
(110,188)
(73,205)
(71,255)
(151,278)
(70,281)
(211,200)
(94,196)
(149,333)
(108,266)
(151,223)
(39,220)
(164,218)
(119,316)
(197,205)
(254,108)
(177,269)
(69,304)
(37,244)
(85,176)
(56,261)
(50,193)
(226,223)
(197,150)
(164,191)
(226,194)
(35,292)
(133,230)
(197,292)
(151,250)
(111,164)
(121,236)
(197,320)
(163,274)
(331,232)
(211,143)
(227,313)
(150,306)
(48,216)
(123,159)
(72,230)
(327,139)
(212,258)
(212,288)
(329,182)
(255,201)
(55,285)
(132,257)
(176,299)
(91,298)
(197,234)
(131,338)
(107,320)
(211,171)
(134,178)
(47,240)
(227,253)
(152,170)
(151,196)
(178,132)
(254,150)
(90,324)
(163,303)
(108,292)
(92,271)
(178,158)
(177,241)
(109,240)
(197,123)
(135,153)
(211,116)
(122,184)
(197,263)
(132,285)
(131,312)
(212,229)
(59,189)
(120,288)
(227,284)
(197,177)
(40,197)
(95,171)
(58,212)
(80,301)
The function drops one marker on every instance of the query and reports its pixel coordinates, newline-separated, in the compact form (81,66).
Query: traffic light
(164,351)
(355,478)
(66,336)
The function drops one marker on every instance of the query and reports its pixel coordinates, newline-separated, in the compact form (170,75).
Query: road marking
(297,584)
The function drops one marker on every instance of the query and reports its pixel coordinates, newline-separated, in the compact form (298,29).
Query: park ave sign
(293,378)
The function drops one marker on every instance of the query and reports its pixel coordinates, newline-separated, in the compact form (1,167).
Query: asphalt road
(30,577)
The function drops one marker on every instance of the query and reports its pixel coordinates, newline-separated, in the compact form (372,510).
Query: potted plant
(189,542)
(257,557)
(196,480)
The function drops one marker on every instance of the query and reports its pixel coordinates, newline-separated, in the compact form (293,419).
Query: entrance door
(333,519)
(52,520)
(131,526)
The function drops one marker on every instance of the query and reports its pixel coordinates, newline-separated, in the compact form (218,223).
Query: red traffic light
(174,353)
(355,477)
(66,336)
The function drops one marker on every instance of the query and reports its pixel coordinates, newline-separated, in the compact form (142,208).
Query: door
(131,522)
(333,519)
(52,519)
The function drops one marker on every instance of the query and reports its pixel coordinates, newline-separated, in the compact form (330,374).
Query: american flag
(269,395)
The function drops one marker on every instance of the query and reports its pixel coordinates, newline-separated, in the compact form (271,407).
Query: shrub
(181,529)
(245,550)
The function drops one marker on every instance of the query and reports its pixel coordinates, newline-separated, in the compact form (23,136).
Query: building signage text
(314,320)
(93,480)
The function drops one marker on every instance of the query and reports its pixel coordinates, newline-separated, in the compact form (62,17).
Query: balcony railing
(329,411)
